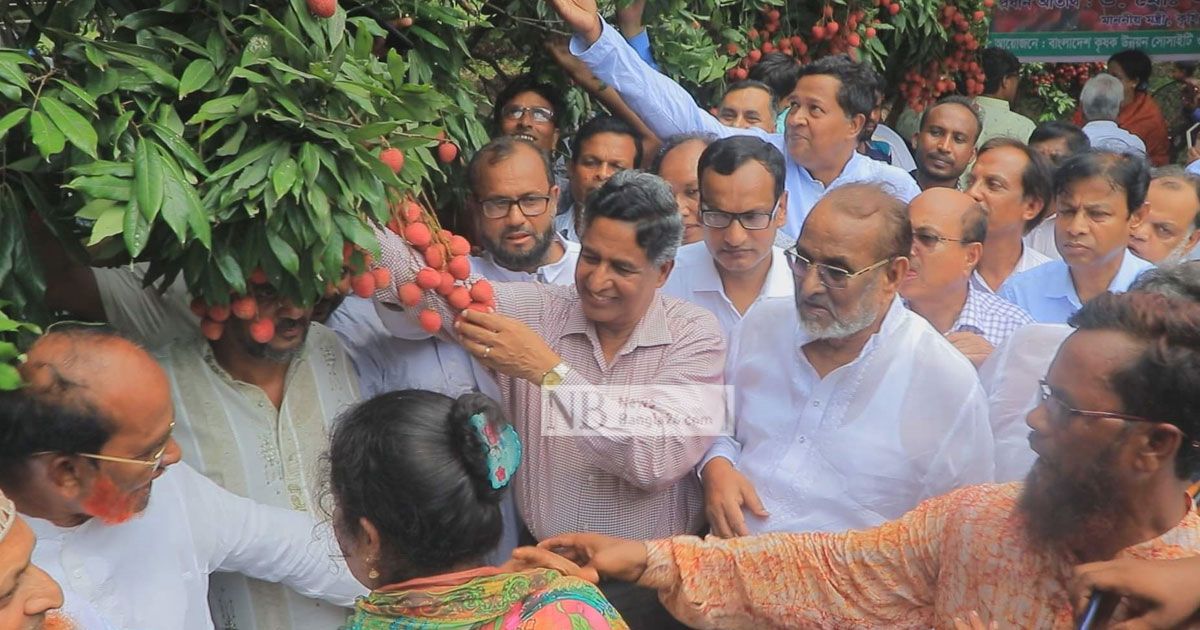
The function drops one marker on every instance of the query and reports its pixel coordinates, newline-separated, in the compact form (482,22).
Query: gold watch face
(551,379)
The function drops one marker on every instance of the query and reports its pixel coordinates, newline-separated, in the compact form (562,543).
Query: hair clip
(503,450)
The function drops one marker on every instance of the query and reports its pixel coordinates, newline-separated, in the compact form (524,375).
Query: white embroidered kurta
(230,432)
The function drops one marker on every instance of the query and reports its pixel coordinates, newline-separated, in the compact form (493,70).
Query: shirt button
(802,439)
(816,403)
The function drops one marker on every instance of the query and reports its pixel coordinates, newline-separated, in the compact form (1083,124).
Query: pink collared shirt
(611,448)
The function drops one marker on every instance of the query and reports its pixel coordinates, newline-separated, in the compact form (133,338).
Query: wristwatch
(555,376)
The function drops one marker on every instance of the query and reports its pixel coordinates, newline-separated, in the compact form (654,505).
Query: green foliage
(11,333)
(215,137)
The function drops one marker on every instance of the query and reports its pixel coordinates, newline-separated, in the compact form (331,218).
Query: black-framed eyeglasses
(830,276)
(719,219)
(930,240)
(530,205)
(539,114)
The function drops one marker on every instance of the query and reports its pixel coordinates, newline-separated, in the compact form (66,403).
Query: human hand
(506,345)
(601,556)
(526,558)
(726,493)
(581,15)
(1158,593)
(974,347)
(629,18)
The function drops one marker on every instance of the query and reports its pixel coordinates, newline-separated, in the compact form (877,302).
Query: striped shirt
(609,450)
(989,316)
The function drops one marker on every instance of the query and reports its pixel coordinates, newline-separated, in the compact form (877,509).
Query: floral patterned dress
(487,599)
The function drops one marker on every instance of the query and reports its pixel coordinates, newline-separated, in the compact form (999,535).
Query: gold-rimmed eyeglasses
(154,462)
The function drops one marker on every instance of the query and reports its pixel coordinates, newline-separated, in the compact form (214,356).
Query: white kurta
(152,573)
(231,433)
(903,422)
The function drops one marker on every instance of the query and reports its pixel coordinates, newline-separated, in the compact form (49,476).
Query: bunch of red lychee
(447,267)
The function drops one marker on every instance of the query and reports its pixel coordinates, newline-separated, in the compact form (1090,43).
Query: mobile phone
(1092,613)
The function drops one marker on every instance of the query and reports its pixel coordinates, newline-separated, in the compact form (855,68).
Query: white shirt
(1041,239)
(695,279)
(1030,258)
(561,271)
(152,573)
(668,109)
(386,362)
(564,227)
(1106,135)
(230,432)
(902,158)
(1010,377)
(903,422)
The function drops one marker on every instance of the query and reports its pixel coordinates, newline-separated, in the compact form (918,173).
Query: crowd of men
(794,321)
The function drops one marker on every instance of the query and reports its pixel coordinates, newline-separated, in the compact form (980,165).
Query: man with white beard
(849,408)
(1171,228)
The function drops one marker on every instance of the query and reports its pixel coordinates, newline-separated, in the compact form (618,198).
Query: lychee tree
(221,140)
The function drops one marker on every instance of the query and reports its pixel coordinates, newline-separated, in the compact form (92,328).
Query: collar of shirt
(1029,259)
(988,102)
(651,329)
(970,318)
(706,277)
(858,167)
(1103,125)
(551,273)
(1060,285)
(564,225)
(210,359)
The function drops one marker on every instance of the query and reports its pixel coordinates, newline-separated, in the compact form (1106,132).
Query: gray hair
(646,201)
(1181,280)
(1183,178)
(1101,97)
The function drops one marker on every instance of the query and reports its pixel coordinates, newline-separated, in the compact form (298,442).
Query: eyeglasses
(1059,408)
(930,240)
(530,205)
(831,277)
(154,462)
(539,114)
(719,219)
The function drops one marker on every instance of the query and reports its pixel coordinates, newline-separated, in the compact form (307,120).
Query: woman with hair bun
(416,479)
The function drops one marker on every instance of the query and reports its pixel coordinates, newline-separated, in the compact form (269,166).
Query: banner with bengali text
(1091,30)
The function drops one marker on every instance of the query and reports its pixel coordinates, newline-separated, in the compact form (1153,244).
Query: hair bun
(472,450)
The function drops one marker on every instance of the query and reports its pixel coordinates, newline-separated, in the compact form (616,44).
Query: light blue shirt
(668,109)
(1194,167)
(1047,293)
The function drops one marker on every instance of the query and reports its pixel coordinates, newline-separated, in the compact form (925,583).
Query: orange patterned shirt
(953,554)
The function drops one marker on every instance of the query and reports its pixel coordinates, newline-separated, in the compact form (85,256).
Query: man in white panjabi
(849,409)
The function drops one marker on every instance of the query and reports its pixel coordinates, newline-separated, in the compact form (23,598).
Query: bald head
(879,212)
(947,202)
(86,389)
(82,368)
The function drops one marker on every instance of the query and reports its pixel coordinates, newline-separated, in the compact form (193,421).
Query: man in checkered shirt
(949,229)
